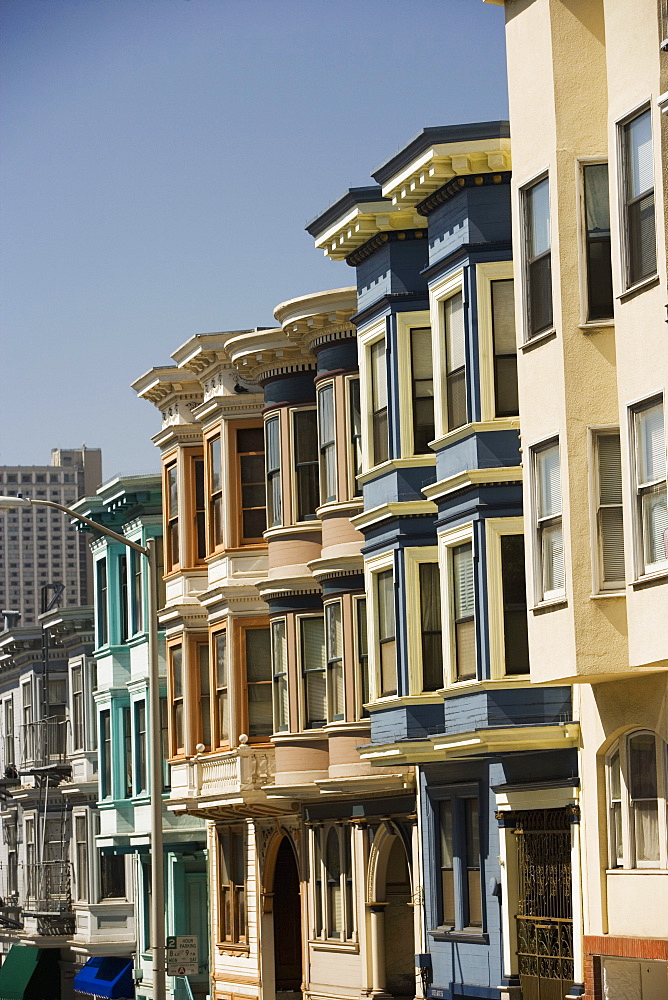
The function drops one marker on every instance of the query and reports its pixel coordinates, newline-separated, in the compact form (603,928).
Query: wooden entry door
(287,920)
(545,912)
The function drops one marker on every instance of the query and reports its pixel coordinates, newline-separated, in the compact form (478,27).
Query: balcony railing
(239,774)
(44,743)
(47,888)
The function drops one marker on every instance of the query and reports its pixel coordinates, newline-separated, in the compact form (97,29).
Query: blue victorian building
(443,552)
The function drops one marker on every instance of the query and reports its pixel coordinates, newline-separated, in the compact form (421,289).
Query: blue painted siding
(339,356)
(398,484)
(394,268)
(490,450)
(474,215)
(297,388)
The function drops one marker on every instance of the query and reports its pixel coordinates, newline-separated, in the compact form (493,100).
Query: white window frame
(330,698)
(274,415)
(486,274)
(318,837)
(447,541)
(599,586)
(414,557)
(321,388)
(352,487)
(449,286)
(527,337)
(495,529)
(629,861)
(621,165)
(406,323)
(541,597)
(580,164)
(303,711)
(372,567)
(360,712)
(642,570)
(284,673)
(81,814)
(294,493)
(366,340)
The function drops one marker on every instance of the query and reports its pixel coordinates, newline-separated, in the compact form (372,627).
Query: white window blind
(454,333)
(550,545)
(464,611)
(651,485)
(334,646)
(610,514)
(279,660)
(313,669)
(379,375)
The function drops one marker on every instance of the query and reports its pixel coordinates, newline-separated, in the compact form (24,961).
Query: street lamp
(157,866)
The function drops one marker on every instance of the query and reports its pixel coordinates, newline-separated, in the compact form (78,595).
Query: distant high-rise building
(38,546)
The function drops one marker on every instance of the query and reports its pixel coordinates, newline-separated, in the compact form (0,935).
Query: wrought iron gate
(545,913)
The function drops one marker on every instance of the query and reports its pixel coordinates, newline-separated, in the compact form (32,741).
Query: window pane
(599,265)
(515,632)
(462,564)
(642,766)
(552,558)
(651,444)
(430,622)
(538,205)
(279,658)
(379,402)
(639,168)
(472,824)
(455,342)
(505,348)
(313,668)
(356,432)
(447,864)
(422,389)
(326,435)
(259,682)
(549,482)
(306,463)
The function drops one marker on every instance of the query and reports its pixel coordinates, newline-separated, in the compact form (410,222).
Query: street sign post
(182,955)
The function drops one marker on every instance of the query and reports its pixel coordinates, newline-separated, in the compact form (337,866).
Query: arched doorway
(399,943)
(287,920)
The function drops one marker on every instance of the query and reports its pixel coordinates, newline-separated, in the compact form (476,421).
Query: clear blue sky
(160,159)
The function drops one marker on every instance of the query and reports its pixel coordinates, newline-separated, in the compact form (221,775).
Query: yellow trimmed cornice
(473,477)
(474,743)
(440,163)
(386,511)
(260,354)
(361,223)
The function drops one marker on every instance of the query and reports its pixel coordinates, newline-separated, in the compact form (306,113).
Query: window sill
(639,287)
(592,325)
(464,936)
(636,871)
(540,338)
(348,947)
(602,595)
(650,580)
(231,948)
(543,607)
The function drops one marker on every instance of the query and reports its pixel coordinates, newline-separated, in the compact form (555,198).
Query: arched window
(637,783)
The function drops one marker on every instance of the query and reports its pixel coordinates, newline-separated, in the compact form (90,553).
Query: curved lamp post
(157,866)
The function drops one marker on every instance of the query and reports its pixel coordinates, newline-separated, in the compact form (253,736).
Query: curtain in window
(643,790)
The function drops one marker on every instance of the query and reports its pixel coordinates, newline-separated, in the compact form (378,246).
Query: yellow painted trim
(446,541)
(494,529)
(473,477)
(485,275)
(413,557)
(388,510)
(438,293)
(377,331)
(407,321)
(413,462)
(476,427)
(373,566)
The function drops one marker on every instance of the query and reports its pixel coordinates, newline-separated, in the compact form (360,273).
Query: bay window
(305,444)
(327,444)
(650,472)
(334,656)
(177,727)
(215,493)
(537,257)
(639,234)
(313,665)
(379,426)
(272,430)
(220,673)
(279,661)
(251,487)
(258,676)
(549,535)
(386,631)
(422,389)
(455,362)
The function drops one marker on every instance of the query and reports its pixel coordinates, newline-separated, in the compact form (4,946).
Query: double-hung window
(455,361)
(305,444)
(232,922)
(549,534)
(257,655)
(514,596)
(204,677)
(215,493)
(386,632)
(102,602)
(105,754)
(609,514)
(312,633)
(252,491)
(463,612)
(220,673)
(422,389)
(127,753)
(537,257)
(362,650)
(597,241)
(355,431)
(505,348)
(137,594)
(141,782)
(77,707)
(198,500)
(124,597)
(327,444)
(81,856)
(172,516)
(637,791)
(279,662)
(8,738)
(272,430)
(650,467)
(431,636)
(334,655)
(177,711)
(380,442)
(460,896)
(638,198)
